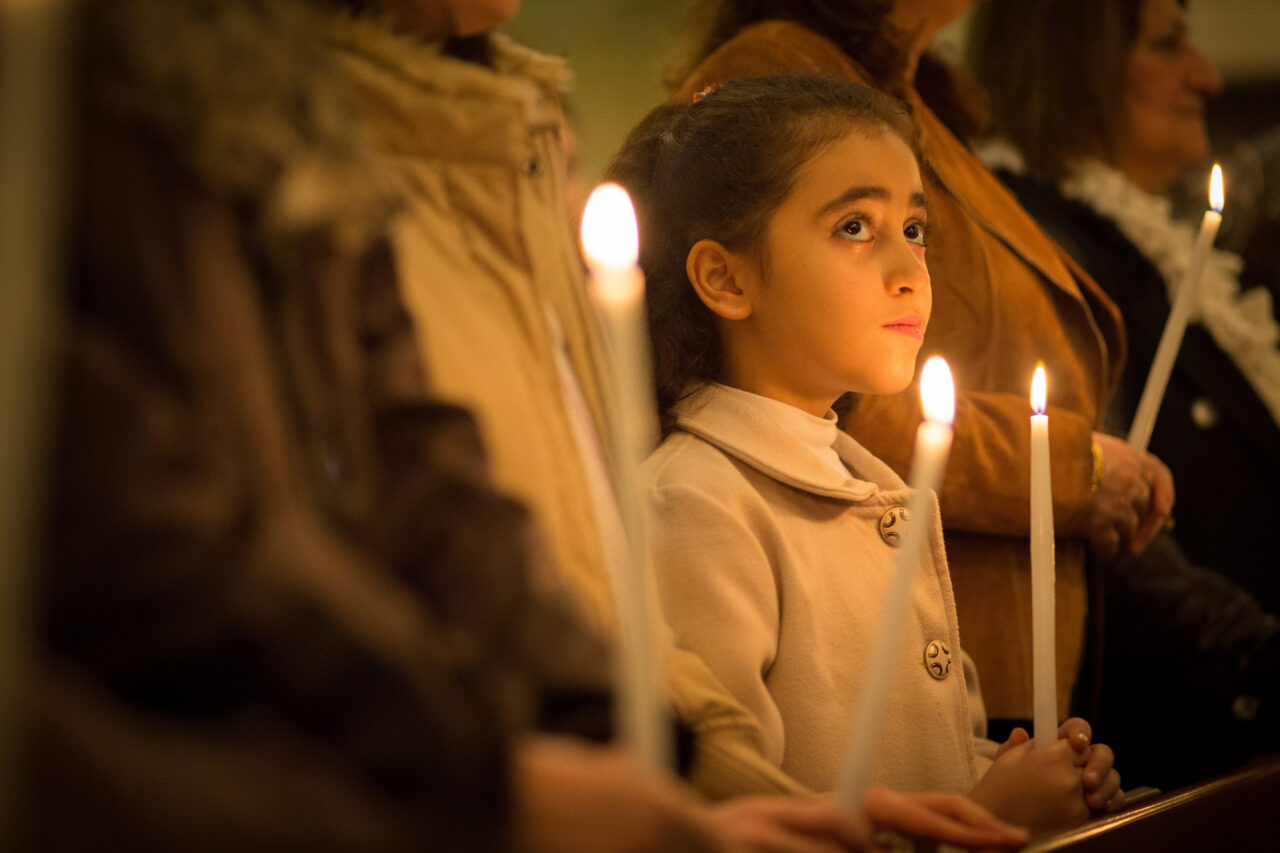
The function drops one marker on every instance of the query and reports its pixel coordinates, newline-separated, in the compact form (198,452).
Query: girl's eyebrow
(857,193)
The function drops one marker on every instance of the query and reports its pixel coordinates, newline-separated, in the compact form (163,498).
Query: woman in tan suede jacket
(1005,296)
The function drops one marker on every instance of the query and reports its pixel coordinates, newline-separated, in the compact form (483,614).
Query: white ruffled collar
(1242,323)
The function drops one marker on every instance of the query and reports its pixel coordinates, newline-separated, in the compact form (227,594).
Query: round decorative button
(937,659)
(1204,413)
(892,524)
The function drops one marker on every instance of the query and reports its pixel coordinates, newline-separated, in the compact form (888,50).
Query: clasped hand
(1049,788)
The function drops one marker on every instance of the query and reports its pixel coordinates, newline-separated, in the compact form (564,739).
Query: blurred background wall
(619,49)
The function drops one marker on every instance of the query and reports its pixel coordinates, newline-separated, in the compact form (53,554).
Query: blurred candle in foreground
(36,98)
(610,240)
(929,458)
(1043,624)
(1144,419)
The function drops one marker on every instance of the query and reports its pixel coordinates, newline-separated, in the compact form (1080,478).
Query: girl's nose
(906,271)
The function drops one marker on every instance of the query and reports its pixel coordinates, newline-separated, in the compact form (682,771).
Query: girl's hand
(1036,788)
(1099,777)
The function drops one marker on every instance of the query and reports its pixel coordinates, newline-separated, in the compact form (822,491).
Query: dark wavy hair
(858,27)
(1055,99)
(717,169)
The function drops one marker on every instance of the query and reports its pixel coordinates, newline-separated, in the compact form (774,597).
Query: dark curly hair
(717,169)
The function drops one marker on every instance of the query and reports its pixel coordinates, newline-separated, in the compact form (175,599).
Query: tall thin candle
(1144,419)
(1045,685)
(610,240)
(933,444)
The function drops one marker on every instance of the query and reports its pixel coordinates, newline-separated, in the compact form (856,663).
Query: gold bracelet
(1095,479)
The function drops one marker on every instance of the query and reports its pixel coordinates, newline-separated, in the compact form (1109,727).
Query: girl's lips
(912,327)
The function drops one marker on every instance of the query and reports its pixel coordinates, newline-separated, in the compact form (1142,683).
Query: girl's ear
(714,272)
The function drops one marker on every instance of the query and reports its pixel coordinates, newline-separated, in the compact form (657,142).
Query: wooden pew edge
(1250,773)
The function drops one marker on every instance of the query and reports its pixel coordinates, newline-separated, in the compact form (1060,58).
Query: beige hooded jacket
(489,268)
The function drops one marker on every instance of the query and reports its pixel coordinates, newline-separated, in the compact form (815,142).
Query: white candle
(1045,685)
(933,443)
(1144,419)
(610,240)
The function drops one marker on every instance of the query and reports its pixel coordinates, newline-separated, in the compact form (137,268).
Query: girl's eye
(914,233)
(856,230)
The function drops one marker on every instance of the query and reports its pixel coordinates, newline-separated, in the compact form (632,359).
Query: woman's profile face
(1165,82)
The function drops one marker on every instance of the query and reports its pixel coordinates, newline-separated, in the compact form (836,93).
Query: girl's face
(1163,89)
(840,296)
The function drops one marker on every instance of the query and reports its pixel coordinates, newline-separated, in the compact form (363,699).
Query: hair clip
(698,96)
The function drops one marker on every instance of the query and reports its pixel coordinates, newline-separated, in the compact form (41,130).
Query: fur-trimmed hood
(245,92)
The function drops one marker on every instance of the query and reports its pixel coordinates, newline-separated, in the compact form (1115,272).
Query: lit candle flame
(1038,390)
(610,236)
(938,391)
(1216,196)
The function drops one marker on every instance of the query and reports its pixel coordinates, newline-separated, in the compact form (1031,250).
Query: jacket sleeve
(718,595)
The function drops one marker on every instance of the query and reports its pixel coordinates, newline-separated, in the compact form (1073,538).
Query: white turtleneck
(816,433)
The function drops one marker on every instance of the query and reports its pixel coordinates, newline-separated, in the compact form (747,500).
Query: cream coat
(772,568)
(486,259)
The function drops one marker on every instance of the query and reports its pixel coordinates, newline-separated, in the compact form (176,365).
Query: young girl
(783,231)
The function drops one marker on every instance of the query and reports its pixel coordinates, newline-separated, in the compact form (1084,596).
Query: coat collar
(740,430)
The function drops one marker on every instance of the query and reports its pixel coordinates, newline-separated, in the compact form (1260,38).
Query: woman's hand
(1133,501)
(778,825)
(948,818)
(572,797)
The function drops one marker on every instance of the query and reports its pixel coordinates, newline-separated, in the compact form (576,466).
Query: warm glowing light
(1216,196)
(1038,390)
(938,391)
(610,237)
